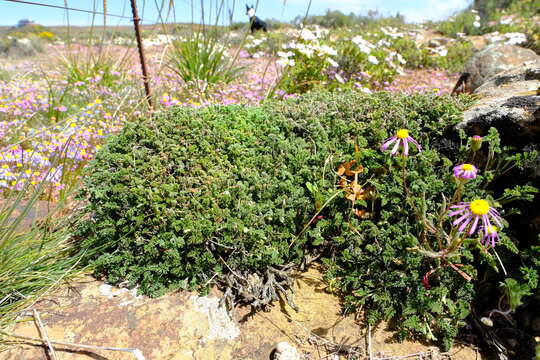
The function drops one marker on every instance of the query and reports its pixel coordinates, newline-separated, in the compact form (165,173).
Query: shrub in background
(368,65)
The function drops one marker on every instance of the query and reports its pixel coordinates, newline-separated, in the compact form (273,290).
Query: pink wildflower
(472,212)
(465,171)
(402,137)
(489,236)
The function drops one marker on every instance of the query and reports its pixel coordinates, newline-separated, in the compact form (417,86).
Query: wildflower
(364,45)
(326,50)
(476,143)
(372,59)
(472,212)
(332,62)
(283,54)
(402,137)
(285,62)
(307,35)
(465,171)
(489,235)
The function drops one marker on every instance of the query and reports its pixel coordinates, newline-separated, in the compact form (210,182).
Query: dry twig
(136,352)
(43,333)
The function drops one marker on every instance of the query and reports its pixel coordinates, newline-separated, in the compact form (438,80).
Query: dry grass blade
(43,333)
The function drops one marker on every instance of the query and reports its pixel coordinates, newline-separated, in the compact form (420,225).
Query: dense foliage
(510,21)
(236,195)
(337,19)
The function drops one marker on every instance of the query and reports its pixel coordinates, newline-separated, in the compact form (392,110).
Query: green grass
(35,251)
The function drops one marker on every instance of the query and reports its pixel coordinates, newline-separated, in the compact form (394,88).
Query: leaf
(515,292)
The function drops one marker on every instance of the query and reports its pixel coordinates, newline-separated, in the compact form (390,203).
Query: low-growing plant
(368,65)
(414,222)
(20,47)
(457,55)
(467,22)
(95,67)
(240,196)
(305,63)
(314,61)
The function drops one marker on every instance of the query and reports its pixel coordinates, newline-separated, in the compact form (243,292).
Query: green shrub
(466,22)
(459,52)
(368,64)
(238,196)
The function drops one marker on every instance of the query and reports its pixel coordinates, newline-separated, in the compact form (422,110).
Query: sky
(284,10)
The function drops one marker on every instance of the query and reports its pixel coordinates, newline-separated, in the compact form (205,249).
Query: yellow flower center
(402,133)
(492,229)
(467,167)
(479,207)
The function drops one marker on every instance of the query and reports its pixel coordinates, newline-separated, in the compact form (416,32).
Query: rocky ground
(184,326)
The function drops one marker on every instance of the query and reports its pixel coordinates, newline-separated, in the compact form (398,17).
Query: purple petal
(454,213)
(388,142)
(475,223)
(415,143)
(405,147)
(395,148)
(485,220)
(464,225)
(460,219)
(496,217)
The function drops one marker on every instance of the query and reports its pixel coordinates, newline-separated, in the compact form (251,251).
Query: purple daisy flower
(472,212)
(465,171)
(489,236)
(402,137)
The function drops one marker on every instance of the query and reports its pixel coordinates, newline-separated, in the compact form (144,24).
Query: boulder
(479,42)
(510,102)
(285,351)
(18,48)
(495,59)
(437,42)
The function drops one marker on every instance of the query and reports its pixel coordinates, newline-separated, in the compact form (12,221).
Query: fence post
(146,79)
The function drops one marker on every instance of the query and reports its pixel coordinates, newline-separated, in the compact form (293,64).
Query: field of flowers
(61,98)
(55,112)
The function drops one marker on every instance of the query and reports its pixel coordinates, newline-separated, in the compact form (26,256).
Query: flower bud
(476,143)
(487,321)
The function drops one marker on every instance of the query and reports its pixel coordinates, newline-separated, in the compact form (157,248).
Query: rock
(183,326)
(495,59)
(285,351)
(535,325)
(438,42)
(18,48)
(221,326)
(478,41)
(510,103)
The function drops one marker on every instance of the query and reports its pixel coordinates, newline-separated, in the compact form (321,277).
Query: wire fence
(136,26)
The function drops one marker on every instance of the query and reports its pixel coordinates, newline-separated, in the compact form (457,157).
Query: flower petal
(475,223)
(388,142)
(405,147)
(395,148)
